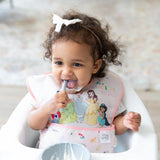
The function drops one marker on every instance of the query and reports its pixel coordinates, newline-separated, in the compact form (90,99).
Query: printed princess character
(102,116)
(68,115)
(91,112)
(80,108)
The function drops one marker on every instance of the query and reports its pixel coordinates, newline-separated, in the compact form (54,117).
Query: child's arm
(131,121)
(38,117)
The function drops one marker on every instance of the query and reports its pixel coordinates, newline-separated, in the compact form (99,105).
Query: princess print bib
(87,118)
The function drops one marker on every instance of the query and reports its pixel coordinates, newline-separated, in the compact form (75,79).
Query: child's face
(73,62)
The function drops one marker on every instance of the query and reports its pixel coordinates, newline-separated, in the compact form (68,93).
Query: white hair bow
(59,21)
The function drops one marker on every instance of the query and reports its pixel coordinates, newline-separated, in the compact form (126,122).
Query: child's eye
(58,62)
(77,64)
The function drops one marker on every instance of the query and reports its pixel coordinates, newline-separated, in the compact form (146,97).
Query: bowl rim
(63,143)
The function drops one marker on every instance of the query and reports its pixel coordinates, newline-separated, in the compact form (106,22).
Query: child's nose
(67,71)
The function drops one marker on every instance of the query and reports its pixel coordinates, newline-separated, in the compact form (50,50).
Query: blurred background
(136,24)
(25,23)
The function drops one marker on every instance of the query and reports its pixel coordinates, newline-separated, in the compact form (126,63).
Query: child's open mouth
(71,84)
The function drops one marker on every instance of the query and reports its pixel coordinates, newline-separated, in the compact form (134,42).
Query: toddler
(80,101)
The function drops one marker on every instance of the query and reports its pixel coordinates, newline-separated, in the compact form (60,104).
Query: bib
(87,119)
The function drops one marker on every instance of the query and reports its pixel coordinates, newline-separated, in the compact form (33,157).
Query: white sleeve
(31,101)
(121,108)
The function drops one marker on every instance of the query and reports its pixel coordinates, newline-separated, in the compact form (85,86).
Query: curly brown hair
(90,32)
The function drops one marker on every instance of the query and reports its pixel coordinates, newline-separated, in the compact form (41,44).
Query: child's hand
(59,101)
(132,120)
(38,118)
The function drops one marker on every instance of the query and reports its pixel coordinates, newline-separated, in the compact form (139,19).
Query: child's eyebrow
(78,60)
(54,58)
(73,60)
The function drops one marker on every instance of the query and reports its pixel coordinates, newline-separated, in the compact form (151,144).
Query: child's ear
(97,66)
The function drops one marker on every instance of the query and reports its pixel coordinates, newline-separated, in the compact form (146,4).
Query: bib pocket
(96,140)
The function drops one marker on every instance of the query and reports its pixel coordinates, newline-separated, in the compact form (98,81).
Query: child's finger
(61,105)
(134,116)
(134,128)
(63,99)
(131,114)
(132,124)
(134,121)
(62,96)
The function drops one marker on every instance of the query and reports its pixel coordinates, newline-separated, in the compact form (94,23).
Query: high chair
(18,140)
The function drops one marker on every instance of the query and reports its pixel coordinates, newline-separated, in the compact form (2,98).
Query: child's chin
(73,90)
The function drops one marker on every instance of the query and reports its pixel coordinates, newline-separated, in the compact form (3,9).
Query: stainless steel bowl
(66,151)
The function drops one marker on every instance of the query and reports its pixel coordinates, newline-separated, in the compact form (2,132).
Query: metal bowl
(66,151)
